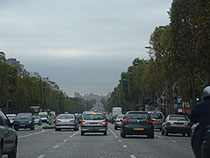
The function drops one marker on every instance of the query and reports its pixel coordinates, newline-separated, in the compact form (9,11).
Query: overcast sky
(82,45)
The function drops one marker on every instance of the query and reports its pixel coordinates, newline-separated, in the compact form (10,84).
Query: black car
(8,138)
(137,123)
(24,120)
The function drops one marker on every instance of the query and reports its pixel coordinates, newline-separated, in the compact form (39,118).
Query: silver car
(94,122)
(118,122)
(176,124)
(66,121)
(8,138)
(157,119)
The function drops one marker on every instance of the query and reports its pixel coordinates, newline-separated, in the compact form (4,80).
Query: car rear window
(23,116)
(137,116)
(120,116)
(66,117)
(178,118)
(156,115)
(94,117)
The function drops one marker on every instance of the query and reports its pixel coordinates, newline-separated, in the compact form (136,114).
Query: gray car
(118,122)
(8,138)
(157,119)
(94,122)
(66,121)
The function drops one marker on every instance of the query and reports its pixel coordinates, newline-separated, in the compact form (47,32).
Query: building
(35,74)
(20,67)
(52,84)
(2,56)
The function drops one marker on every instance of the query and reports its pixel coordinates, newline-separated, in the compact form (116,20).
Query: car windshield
(120,116)
(36,117)
(23,116)
(94,117)
(156,115)
(178,118)
(42,116)
(65,117)
(137,116)
(11,117)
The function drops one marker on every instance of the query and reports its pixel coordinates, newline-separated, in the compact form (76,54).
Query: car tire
(0,149)
(13,154)
(82,133)
(151,136)
(162,132)
(183,134)
(188,134)
(166,133)
(122,134)
(16,129)
(32,128)
(115,127)
(105,133)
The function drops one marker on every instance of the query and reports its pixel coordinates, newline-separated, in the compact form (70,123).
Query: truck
(116,111)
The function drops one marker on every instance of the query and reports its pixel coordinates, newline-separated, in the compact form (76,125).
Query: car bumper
(178,129)
(65,126)
(138,130)
(93,129)
(23,125)
(157,125)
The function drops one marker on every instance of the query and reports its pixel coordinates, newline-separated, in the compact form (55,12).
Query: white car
(11,117)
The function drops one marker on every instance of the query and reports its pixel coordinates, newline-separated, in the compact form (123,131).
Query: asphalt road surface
(49,143)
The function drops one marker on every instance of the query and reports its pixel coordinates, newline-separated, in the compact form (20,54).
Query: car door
(9,133)
(4,133)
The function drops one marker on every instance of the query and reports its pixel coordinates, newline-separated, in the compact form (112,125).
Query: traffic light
(197,99)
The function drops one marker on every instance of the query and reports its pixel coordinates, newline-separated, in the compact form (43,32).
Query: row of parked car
(144,123)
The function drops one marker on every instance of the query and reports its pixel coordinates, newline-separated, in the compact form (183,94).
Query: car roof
(137,112)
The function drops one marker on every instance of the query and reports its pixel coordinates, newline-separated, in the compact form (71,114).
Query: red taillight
(104,122)
(127,121)
(83,122)
(189,125)
(149,121)
(168,124)
(117,120)
(57,121)
(73,121)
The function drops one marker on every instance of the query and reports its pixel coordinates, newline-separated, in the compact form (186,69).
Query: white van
(116,111)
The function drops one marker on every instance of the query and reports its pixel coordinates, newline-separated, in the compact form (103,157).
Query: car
(8,138)
(137,123)
(118,122)
(157,119)
(24,120)
(176,124)
(94,122)
(66,121)
(11,117)
(37,120)
(113,118)
(44,116)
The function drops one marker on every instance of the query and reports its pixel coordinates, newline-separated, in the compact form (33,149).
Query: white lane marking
(132,156)
(56,146)
(32,134)
(173,141)
(160,137)
(119,140)
(113,133)
(65,140)
(125,146)
(74,134)
(41,156)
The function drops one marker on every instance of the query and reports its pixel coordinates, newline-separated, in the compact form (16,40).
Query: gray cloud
(83,45)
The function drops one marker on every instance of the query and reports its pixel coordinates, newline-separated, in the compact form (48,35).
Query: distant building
(2,56)
(52,84)
(20,67)
(35,74)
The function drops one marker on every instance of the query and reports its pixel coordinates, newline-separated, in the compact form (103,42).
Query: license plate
(138,129)
(93,123)
(179,124)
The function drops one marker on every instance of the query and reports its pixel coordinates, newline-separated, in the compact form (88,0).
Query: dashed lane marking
(65,140)
(119,140)
(32,134)
(74,134)
(173,141)
(41,156)
(125,146)
(132,156)
(56,146)
(113,133)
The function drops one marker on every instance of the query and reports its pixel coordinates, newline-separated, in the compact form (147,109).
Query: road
(70,144)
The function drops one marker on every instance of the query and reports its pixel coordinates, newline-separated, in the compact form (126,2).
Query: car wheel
(0,150)
(105,133)
(122,134)
(32,128)
(115,127)
(166,133)
(82,133)
(151,135)
(13,154)
(16,129)
(183,134)
(162,132)
(188,134)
